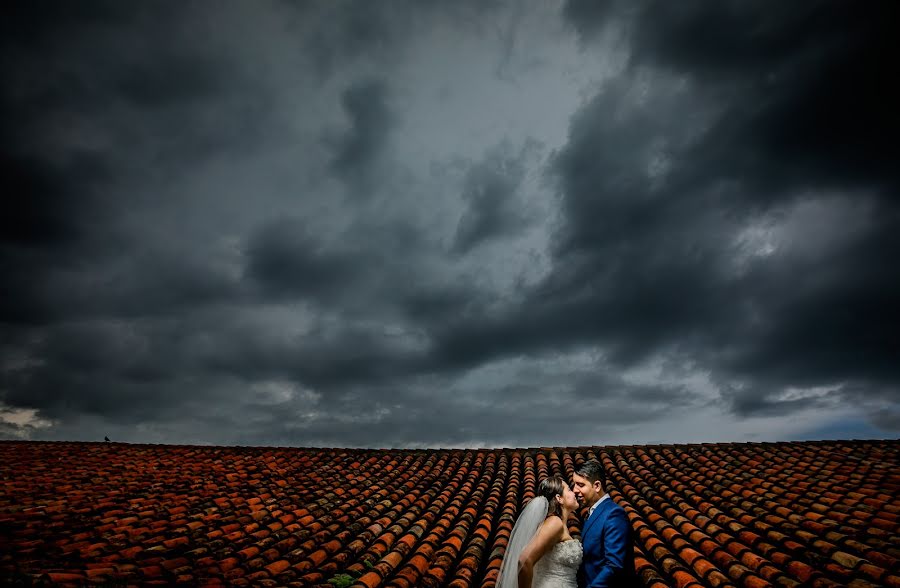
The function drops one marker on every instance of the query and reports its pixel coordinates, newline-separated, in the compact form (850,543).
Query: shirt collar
(596,504)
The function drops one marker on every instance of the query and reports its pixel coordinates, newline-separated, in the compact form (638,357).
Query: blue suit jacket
(608,548)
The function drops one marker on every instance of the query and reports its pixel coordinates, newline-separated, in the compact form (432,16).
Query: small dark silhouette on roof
(106,439)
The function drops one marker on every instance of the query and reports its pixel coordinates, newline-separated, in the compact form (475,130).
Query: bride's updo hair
(550,488)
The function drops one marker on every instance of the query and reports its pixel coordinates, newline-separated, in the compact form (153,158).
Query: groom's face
(586,492)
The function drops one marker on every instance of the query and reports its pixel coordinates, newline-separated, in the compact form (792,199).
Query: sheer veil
(526,526)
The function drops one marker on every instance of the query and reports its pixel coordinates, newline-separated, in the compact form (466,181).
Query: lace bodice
(557,569)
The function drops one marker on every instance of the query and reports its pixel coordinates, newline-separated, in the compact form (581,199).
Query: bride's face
(569,500)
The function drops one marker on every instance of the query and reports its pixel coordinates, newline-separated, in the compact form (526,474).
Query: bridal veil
(526,526)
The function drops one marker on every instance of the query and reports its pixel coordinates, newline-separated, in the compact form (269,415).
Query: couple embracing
(541,553)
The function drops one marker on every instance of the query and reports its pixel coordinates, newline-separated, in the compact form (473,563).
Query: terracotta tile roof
(753,514)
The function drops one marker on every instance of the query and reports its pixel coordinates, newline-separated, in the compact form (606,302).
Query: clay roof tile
(814,513)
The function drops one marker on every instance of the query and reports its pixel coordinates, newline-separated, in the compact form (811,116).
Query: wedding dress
(558,567)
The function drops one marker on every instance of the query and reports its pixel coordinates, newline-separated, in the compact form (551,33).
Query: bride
(540,552)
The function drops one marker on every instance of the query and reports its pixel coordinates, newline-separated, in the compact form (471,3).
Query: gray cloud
(284,257)
(365,104)
(490,195)
(415,224)
(805,314)
(819,98)
(650,256)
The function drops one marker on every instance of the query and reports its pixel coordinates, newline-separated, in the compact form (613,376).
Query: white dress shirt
(596,504)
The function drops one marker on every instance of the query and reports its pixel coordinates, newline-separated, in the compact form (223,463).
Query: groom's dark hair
(593,471)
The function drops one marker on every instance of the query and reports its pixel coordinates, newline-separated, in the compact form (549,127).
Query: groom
(606,535)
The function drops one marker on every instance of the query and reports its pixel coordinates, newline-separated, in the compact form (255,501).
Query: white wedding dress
(559,566)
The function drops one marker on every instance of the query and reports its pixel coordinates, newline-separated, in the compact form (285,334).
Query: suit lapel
(594,517)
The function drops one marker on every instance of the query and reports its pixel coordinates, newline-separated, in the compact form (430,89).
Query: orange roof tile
(727,514)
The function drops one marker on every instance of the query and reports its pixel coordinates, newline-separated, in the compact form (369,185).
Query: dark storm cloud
(347,32)
(90,67)
(783,105)
(284,257)
(889,419)
(41,20)
(42,217)
(633,264)
(489,192)
(116,368)
(365,104)
(186,267)
(413,415)
(105,65)
(43,222)
(363,269)
(757,400)
(815,79)
(838,319)
(39,197)
(328,357)
(673,160)
(95,112)
(835,323)
(351,32)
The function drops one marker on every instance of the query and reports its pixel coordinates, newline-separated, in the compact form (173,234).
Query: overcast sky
(449,224)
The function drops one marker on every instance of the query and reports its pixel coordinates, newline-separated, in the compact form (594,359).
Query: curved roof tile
(718,515)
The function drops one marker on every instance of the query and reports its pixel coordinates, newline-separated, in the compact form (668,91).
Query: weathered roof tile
(748,514)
